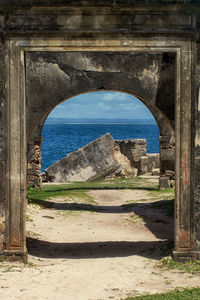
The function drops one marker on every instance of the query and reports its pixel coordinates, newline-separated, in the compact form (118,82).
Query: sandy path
(98,254)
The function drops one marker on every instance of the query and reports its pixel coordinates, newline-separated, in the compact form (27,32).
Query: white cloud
(102,105)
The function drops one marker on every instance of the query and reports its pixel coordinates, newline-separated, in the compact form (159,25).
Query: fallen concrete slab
(94,161)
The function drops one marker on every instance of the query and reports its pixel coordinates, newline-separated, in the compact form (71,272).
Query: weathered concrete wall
(34,178)
(150,163)
(71,73)
(148,76)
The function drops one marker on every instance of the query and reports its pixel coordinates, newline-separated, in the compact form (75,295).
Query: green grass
(186,294)
(28,218)
(81,189)
(164,194)
(168,263)
(49,191)
(137,219)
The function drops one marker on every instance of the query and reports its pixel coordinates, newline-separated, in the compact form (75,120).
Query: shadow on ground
(149,249)
(157,216)
(165,205)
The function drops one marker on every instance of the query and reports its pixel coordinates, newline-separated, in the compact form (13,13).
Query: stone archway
(47,49)
(67,74)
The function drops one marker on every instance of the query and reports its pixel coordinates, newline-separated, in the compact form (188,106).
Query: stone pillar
(167,162)
(196,160)
(34,178)
(2,150)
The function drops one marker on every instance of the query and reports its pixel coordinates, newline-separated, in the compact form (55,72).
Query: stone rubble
(103,158)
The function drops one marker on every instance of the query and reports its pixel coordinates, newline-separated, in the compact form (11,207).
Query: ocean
(61,139)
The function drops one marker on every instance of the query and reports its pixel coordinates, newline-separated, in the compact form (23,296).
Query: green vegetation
(168,263)
(36,196)
(32,234)
(80,189)
(164,194)
(186,294)
(83,201)
(28,218)
(137,219)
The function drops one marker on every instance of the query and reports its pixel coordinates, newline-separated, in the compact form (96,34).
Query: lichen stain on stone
(87,64)
(52,68)
(197,140)
(150,74)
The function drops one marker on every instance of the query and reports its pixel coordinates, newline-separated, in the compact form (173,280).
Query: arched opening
(84,118)
(136,202)
(125,110)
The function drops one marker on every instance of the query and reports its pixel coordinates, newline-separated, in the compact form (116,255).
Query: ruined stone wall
(136,152)
(148,76)
(34,158)
(133,150)
(72,73)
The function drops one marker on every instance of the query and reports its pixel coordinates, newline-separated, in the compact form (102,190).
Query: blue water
(61,139)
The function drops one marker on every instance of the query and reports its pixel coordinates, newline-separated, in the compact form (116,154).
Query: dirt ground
(106,250)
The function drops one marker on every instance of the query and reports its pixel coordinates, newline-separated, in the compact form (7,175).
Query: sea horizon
(98,121)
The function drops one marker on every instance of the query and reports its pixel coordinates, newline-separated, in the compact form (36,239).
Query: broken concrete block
(127,170)
(94,161)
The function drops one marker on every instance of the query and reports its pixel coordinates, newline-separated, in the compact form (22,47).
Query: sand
(108,250)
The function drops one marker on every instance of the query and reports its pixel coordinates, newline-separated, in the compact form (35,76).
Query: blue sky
(109,105)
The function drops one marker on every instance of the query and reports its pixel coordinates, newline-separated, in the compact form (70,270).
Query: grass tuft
(167,263)
(186,294)
(81,189)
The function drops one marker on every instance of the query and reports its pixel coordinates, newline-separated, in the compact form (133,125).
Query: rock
(133,150)
(143,165)
(156,172)
(127,169)
(164,183)
(154,161)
